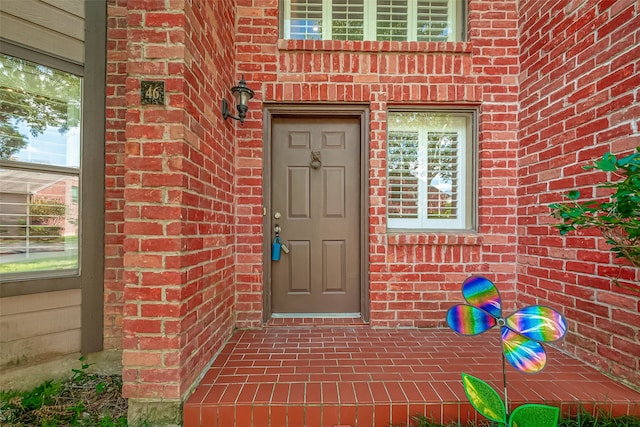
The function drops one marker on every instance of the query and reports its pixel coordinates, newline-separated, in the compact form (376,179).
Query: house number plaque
(151,92)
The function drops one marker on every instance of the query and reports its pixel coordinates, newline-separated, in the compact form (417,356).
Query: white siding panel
(34,327)
(39,348)
(43,27)
(74,7)
(46,16)
(39,302)
(21,326)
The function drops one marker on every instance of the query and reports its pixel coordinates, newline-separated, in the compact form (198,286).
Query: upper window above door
(394,20)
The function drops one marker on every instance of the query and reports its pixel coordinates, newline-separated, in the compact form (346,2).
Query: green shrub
(46,211)
(618,216)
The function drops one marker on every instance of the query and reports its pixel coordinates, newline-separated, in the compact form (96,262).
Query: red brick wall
(184,188)
(114,171)
(579,99)
(413,278)
(178,195)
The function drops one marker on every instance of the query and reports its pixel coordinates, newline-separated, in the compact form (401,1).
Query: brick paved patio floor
(315,373)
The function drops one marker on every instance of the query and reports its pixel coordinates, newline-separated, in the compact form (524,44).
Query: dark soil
(83,400)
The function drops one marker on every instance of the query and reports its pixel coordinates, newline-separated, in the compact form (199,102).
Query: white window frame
(370,20)
(463,124)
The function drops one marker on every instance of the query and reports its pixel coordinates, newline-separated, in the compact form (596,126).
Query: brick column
(178,214)
(114,171)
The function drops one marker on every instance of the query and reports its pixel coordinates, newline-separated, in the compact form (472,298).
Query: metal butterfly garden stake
(521,333)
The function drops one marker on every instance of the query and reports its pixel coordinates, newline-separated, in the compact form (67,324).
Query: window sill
(374,46)
(462,238)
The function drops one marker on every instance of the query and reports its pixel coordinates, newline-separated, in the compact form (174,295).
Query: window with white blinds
(397,20)
(429,170)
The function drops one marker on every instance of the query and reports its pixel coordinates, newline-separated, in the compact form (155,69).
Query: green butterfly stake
(521,335)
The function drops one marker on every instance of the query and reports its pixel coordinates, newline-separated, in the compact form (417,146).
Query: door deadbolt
(277,215)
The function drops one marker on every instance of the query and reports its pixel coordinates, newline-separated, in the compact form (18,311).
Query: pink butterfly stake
(522,333)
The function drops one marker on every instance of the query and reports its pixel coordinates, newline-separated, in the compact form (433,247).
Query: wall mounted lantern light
(242,94)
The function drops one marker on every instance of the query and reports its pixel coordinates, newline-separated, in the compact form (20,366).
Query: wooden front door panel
(319,207)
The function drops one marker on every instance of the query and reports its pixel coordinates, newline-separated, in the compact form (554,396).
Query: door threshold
(316,315)
(316,320)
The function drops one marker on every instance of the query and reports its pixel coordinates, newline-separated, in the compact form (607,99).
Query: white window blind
(434,20)
(403,187)
(442,175)
(391,20)
(427,171)
(347,19)
(303,19)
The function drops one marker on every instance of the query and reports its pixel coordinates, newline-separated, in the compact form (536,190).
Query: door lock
(277,215)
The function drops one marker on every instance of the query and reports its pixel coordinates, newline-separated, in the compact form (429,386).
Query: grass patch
(58,263)
(83,400)
(600,420)
(579,420)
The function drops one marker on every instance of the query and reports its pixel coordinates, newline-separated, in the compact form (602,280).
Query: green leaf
(607,163)
(532,415)
(631,158)
(573,195)
(484,398)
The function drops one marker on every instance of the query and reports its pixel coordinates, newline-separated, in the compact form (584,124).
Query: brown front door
(315,200)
